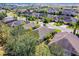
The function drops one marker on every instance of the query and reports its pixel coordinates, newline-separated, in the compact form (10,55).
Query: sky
(39,1)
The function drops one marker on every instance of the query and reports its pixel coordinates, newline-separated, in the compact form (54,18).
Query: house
(15,23)
(1,10)
(68,41)
(68,19)
(36,14)
(9,19)
(21,10)
(74,19)
(29,25)
(43,31)
(53,10)
(57,18)
(31,10)
(50,16)
(21,18)
(68,12)
(28,13)
(65,19)
(43,14)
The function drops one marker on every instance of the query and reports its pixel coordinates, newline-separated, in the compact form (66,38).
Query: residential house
(64,18)
(15,23)
(68,41)
(68,12)
(36,14)
(43,31)
(9,19)
(50,16)
(21,18)
(53,10)
(1,10)
(68,19)
(29,25)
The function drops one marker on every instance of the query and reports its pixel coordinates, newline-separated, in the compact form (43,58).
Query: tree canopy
(2,15)
(21,42)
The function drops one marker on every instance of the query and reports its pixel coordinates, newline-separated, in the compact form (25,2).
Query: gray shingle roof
(15,23)
(8,19)
(66,40)
(43,31)
(29,25)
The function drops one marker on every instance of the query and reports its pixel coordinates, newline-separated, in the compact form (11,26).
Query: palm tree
(76,26)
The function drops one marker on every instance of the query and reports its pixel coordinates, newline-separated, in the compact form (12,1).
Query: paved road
(62,28)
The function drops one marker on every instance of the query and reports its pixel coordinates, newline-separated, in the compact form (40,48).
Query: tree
(48,37)
(4,33)
(32,18)
(21,43)
(2,15)
(4,36)
(42,50)
(76,26)
(60,13)
(60,21)
(18,13)
(47,20)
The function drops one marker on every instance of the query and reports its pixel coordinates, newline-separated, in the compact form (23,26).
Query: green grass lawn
(58,24)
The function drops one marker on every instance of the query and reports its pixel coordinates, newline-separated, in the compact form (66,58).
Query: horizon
(55,4)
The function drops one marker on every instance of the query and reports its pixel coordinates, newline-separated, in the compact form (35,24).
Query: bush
(47,20)
(30,28)
(37,26)
(56,50)
(42,50)
(58,23)
(48,37)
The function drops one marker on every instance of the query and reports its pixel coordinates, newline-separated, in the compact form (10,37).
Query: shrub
(30,28)
(48,37)
(56,50)
(42,50)
(47,20)
(58,23)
